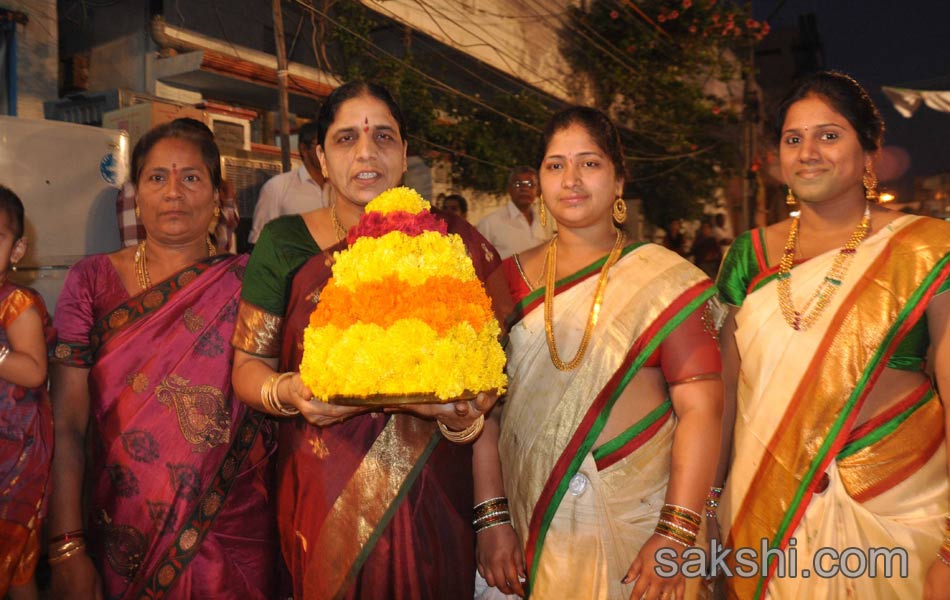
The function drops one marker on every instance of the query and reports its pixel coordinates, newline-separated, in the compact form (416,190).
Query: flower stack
(403,314)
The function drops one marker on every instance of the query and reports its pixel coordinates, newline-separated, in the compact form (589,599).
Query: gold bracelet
(282,408)
(66,555)
(466,435)
(269,396)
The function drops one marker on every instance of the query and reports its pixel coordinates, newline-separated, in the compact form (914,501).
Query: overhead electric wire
(436,82)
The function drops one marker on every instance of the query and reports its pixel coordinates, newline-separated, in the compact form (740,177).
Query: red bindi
(174,168)
(365,124)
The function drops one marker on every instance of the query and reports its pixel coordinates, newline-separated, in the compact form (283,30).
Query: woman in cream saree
(599,450)
(839,439)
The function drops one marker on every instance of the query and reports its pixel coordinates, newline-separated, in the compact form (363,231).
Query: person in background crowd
(294,192)
(456,204)
(179,488)
(675,239)
(837,434)
(719,232)
(26,421)
(517,225)
(706,251)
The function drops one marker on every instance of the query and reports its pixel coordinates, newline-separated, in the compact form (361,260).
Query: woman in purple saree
(178,504)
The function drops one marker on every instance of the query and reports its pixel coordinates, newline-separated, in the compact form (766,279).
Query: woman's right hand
(500,559)
(76,577)
(295,393)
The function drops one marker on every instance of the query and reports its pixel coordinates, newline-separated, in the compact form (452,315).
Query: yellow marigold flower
(408,357)
(398,199)
(412,259)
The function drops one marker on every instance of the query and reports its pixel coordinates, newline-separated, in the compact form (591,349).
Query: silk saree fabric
(26,448)
(805,473)
(582,512)
(180,505)
(378,506)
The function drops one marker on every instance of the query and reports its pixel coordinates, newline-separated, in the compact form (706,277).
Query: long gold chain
(337,226)
(550,268)
(802,320)
(141,263)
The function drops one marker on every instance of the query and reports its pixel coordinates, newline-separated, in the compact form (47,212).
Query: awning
(907,101)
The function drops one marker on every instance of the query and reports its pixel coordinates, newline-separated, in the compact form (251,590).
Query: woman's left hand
(457,416)
(937,584)
(650,585)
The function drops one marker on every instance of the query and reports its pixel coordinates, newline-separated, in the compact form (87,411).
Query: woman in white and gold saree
(599,450)
(839,436)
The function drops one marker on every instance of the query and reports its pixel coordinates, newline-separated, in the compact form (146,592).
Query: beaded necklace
(802,320)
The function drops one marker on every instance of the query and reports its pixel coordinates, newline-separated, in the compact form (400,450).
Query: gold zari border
(257,331)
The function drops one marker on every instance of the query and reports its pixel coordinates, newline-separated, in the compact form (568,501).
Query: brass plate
(383,400)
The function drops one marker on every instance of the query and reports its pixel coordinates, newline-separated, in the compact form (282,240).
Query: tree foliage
(652,65)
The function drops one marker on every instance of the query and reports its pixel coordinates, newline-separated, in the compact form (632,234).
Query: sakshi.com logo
(716,561)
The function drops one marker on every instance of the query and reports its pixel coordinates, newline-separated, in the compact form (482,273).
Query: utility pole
(751,116)
(282,105)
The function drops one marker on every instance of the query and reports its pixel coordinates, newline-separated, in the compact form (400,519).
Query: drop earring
(870,183)
(620,211)
(790,198)
(543,213)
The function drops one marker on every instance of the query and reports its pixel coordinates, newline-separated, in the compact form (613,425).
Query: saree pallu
(26,447)
(378,506)
(801,468)
(583,513)
(180,503)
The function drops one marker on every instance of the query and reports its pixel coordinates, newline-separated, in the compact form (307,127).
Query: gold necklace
(802,320)
(532,285)
(337,226)
(141,263)
(550,267)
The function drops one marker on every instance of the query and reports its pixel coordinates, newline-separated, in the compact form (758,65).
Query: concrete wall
(37,56)
(517,37)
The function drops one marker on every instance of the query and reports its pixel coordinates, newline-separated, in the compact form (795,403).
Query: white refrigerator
(68,177)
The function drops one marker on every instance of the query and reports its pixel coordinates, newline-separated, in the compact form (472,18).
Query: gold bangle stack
(678,524)
(270,399)
(491,513)
(64,547)
(465,436)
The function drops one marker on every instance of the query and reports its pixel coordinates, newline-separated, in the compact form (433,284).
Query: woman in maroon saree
(370,505)
(179,504)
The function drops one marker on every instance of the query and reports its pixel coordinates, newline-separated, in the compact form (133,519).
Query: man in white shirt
(293,192)
(516,226)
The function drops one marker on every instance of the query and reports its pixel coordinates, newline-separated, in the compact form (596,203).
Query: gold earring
(217,211)
(790,198)
(544,213)
(620,210)
(870,183)
(138,212)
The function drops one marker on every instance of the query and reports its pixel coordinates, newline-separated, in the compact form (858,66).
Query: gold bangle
(66,555)
(466,435)
(269,397)
(280,407)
